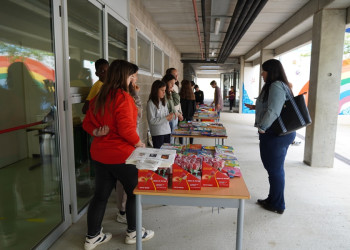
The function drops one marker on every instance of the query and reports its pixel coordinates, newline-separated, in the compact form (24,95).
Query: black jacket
(199,96)
(188,108)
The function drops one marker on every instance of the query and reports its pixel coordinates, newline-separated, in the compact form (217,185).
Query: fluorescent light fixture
(217,26)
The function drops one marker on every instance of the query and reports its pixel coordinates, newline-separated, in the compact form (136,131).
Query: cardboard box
(184,180)
(212,177)
(149,180)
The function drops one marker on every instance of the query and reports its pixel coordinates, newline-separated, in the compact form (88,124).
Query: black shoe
(262,202)
(270,208)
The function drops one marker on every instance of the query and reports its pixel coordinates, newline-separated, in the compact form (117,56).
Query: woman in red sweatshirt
(112,119)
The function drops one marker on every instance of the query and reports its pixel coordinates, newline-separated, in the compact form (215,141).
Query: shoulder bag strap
(295,106)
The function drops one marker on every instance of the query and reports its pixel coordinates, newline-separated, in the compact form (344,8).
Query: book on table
(152,158)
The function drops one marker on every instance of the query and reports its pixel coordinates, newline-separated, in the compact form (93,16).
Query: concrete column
(189,73)
(325,76)
(241,81)
(265,54)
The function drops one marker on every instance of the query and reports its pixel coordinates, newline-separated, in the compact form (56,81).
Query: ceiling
(177,19)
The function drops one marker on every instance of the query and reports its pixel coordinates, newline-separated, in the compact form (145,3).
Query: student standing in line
(188,102)
(217,97)
(273,148)
(101,66)
(176,87)
(158,115)
(111,119)
(199,95)
(120,192)
(172,99)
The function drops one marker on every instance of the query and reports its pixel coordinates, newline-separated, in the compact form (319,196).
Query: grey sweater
(157,122)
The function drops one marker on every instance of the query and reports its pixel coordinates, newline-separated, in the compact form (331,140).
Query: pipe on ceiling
(204,28)
(238,28)
(255,10)
(197,24)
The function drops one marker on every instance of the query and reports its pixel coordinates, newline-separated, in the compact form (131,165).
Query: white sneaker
(131,237)
(97,240)
(121,218)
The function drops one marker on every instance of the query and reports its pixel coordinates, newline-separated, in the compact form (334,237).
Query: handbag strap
(295,106)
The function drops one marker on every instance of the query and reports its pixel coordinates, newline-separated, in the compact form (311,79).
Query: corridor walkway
(317,212)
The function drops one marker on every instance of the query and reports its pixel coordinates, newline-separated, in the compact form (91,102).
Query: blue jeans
(105,179)
(273,151)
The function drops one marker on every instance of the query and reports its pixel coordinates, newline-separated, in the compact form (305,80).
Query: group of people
(113,110)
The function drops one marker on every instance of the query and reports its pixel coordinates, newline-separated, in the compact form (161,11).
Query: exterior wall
(142,20)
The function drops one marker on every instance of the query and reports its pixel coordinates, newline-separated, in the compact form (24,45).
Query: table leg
(240,220)
(223,141)
(138,223)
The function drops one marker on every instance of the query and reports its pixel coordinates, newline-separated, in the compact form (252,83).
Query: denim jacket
(267,112)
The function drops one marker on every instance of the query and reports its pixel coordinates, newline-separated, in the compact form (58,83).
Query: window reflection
(30,183)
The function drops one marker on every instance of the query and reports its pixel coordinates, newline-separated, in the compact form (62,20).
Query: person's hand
(170,116)
(250,106)
(181,118)
(217,107)
(140,144)
(101,131)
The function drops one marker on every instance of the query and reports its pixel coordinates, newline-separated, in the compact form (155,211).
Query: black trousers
(159,140)
(105,179)
(232,104)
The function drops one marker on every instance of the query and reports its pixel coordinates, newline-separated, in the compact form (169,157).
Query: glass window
(143,52)
(166,61)
(157,61)
(85,47)
(117,39)
(30,179)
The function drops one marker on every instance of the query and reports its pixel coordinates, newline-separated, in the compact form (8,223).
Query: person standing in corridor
(218,103)
(273,148)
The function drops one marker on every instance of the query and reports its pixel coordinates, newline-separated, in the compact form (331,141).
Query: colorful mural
(41,74)
(344,99)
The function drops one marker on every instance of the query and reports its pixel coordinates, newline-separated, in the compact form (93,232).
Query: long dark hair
(275,72)
(167,78)
(117,76)
(153,96)
(134,70)
(186,91)
(168,71)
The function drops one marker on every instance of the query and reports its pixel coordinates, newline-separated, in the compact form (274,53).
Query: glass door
(31,200)
(227,82)
(85,40)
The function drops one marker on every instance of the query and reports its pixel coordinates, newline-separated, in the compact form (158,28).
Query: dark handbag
(294,115)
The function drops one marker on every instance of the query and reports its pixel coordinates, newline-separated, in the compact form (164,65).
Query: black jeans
(181,140)
(232,104)
(105,179)
(159,140)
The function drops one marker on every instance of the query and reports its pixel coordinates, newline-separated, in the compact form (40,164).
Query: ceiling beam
(294,43)
(300,16)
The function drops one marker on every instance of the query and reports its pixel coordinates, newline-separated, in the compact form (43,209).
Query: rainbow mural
(344,99)
(38,71)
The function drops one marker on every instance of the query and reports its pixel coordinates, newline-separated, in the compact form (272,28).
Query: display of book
(214,129)
(152,158)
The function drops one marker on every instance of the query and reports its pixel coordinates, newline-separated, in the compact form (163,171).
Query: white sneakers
(91,243)
(121,218)
(131,237)
(97,240)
